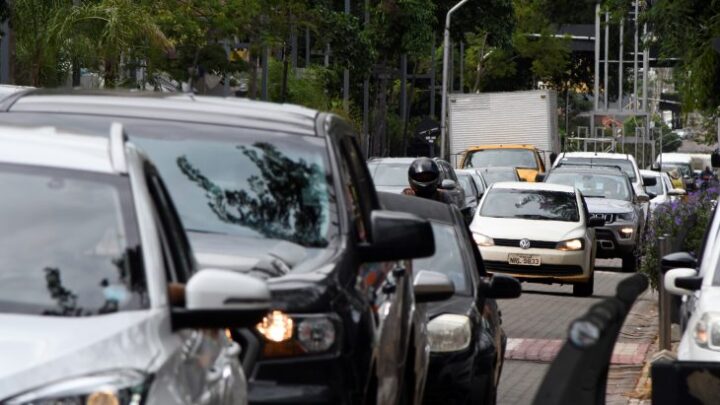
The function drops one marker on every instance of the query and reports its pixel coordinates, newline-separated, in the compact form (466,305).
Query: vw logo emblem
(524,243)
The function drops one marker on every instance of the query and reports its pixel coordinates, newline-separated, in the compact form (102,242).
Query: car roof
(599,155)
(674,158)
(502,146)
(650,173)
(402,160)
(522,185)
(45,146)
(168,106)
(580,168)
(423,207)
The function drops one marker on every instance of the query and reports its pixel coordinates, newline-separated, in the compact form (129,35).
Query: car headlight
(570,245)
(482,240)
(299,334)
(119,387)
(627,232)
(449,333)
(707,331)
(625,216)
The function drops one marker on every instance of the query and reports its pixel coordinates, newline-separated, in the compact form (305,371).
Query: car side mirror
(677,192)
(595,222)
(682,281)
(503,287)
(649,181)
(642,198)
(540,177)
(553,157)
(430,286)
(678,260)
(218,299)
(651,194)
(397,236)
(448,184)
(655,167)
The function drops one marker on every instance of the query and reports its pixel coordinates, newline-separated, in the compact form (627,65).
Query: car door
(205,368)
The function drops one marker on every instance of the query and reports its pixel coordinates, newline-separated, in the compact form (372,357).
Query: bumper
(452,377)
(556,265)
(611,242)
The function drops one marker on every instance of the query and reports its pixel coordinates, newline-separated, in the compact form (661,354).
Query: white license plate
(524,260)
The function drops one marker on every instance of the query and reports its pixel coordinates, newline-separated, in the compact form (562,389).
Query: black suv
(283,193)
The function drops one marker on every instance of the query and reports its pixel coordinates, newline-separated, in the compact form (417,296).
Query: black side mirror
(595,222)
(540,177)
(503,287)
(553,156)
(397,236)
(678,260)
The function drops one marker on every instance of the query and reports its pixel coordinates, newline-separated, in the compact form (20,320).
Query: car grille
(609,218)
(543,270)
(537,244)
(604,234)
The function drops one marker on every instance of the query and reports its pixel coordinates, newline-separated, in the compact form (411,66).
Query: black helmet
(424,176)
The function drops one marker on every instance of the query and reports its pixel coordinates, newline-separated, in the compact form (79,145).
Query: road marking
(545,350)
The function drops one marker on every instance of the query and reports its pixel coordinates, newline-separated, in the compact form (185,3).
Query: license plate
(524,260)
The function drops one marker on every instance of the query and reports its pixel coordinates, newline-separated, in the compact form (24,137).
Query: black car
(283,193)
(466,369)
(472,194)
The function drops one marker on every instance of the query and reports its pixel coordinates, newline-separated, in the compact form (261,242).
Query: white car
(102,302)
(537,232)
(662,191)
(625,162)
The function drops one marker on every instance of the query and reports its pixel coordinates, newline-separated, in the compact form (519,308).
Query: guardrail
(578,375)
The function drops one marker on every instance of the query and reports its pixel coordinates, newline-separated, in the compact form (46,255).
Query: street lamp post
(446,53)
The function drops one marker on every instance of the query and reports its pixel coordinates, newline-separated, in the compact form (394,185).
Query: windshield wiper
(594,196)
(533,216)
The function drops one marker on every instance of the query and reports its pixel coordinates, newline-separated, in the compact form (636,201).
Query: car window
(683,168)
(261,185)
(389,174)
(657,189)
(449,171)
(594,185)
(501,158)
(468,185)
(70,244)
(625,165)
(495,176)
(530,204)
(448,259)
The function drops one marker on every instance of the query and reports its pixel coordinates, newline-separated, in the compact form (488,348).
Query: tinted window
(448,259)
(502,158)
(657,189)
(624,164)
(69,244)
(610,186)
(258,185)
(389,174)
(530,204)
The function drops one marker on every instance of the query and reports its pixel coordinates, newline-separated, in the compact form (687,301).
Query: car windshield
(448,259)
(260,185)
(389,174)
(69,244)
(625,165)
(683,168)
(594,185)
(495,176)
(530,204)
(466,182)
(501,158)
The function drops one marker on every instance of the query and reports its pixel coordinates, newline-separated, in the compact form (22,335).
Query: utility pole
(446,54)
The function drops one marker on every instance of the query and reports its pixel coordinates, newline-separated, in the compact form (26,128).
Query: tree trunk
(408,106)
(286,68)
(110,74)
(76,72)
(381,111)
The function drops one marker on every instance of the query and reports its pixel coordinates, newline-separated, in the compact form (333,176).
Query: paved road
(536,324)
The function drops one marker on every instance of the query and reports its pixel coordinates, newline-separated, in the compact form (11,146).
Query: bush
(684,220)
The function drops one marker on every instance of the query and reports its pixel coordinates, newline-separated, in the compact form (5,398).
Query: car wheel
(585,289)
(629,263)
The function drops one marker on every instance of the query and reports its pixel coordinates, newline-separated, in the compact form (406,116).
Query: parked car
(662,190)
(610,196)
(391,175)
(283,193)
(467,342)
(102,301)
(538,232)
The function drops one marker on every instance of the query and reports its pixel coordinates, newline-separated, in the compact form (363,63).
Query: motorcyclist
(424,178)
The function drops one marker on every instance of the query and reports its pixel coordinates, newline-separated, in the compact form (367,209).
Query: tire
(629,263)
(585,289)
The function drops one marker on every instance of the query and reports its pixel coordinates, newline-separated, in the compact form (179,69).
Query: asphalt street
(537,323)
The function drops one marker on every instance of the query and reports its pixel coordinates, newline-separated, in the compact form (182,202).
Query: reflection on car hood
(261,257)
(516,228)
(37,350)
(391,189)
(608,206)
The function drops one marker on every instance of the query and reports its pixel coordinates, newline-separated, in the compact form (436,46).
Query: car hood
(608,206)
(391,189)
(512,228)
(38,350)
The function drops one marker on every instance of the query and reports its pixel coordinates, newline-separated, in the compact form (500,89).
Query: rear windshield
(69,244)
(530,204)
(615,187)
(501,158)
(624,164)
(389,174)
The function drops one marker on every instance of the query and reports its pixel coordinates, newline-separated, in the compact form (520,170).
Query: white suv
(100,298)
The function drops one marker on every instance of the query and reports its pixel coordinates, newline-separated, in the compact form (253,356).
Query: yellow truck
(526,159)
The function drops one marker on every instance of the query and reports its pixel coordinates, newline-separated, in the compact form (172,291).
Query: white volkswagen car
(537,232)
(100,298)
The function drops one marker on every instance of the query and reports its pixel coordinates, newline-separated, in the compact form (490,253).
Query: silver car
(101,298)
